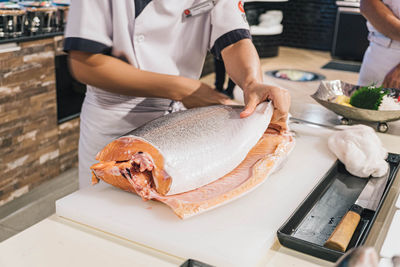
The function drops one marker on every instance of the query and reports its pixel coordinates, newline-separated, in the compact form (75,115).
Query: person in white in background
(381,63)
(138,55)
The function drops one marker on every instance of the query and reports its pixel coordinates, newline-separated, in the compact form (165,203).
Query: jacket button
(140,38)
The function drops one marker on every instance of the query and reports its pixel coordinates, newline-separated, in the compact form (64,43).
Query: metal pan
(328,90)
(312,223)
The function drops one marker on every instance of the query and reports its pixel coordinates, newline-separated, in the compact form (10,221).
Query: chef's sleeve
(228,25)
(89,27)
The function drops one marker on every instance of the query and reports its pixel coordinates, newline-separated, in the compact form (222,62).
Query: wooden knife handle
(341,236)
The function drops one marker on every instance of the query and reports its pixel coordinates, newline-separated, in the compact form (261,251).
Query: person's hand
(392,79)
(256,93)
(205,95)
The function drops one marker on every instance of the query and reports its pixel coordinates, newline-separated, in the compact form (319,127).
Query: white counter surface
(59,242)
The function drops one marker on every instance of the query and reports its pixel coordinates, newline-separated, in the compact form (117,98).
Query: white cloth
(360,150)
(383,53)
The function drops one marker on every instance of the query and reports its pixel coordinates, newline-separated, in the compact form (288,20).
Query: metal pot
(12,22)
(40,19)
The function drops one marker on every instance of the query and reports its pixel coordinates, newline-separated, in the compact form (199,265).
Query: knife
(297,120)
(368,199)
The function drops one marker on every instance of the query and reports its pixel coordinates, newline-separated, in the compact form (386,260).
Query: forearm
(119,77)
(381,17)
(392,78)
(242,63)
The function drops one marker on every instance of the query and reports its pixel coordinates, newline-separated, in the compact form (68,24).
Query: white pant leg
(378,61)
(99,127)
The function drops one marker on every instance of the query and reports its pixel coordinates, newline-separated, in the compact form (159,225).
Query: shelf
(29,38)
(348,3)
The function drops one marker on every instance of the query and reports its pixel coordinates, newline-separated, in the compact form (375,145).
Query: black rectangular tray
(314,220)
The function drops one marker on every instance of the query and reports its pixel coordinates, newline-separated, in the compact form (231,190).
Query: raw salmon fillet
(137,163)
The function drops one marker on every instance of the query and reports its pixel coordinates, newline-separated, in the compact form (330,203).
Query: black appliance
(70,92)
(351,34)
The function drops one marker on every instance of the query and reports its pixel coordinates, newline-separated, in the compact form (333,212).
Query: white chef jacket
(383,53)
(152,35)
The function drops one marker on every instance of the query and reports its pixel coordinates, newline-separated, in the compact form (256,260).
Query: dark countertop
(29,38)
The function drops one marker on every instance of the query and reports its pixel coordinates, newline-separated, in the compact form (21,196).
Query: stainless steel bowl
(328,90)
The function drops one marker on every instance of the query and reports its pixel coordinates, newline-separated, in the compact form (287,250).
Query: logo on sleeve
(241,9)
(240,5)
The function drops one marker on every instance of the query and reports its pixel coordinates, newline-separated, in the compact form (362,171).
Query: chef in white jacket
(139,56)
(381,63)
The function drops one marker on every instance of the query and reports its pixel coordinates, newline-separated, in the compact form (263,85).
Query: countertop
(30,38)
(59,242)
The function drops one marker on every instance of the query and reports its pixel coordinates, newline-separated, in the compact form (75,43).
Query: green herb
(368,97)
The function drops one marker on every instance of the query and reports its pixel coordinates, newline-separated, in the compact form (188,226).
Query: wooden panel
(33,147)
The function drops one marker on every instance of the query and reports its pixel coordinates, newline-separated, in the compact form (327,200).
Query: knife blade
(297,120)
(369,198)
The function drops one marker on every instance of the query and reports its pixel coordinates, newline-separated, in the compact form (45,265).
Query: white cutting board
(236,234)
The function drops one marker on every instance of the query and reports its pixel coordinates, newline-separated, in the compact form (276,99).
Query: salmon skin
(195,160)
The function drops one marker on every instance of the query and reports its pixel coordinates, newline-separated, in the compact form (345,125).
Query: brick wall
(33,147)
(307,23)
